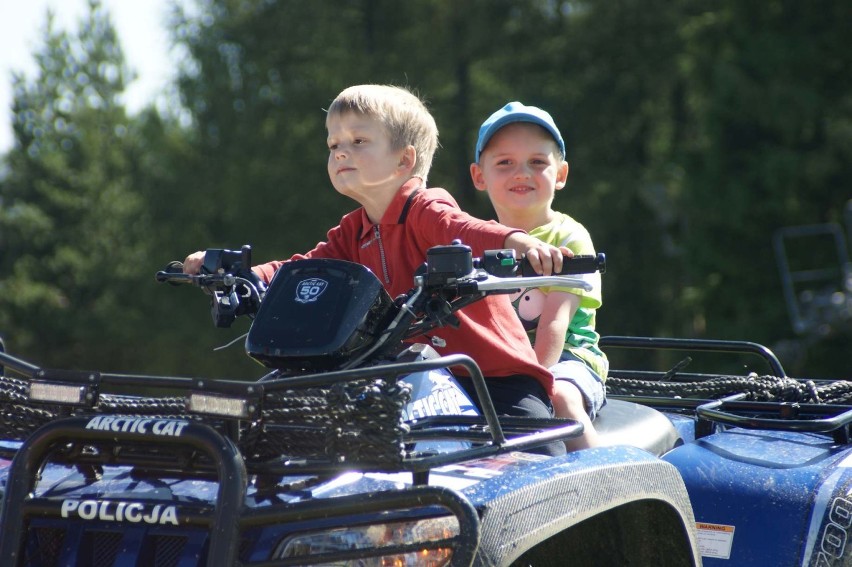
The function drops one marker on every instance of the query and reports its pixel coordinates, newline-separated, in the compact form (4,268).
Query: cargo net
(757,388)
(19,417)
(359,421)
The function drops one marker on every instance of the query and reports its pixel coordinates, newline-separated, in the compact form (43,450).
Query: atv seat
(626,423)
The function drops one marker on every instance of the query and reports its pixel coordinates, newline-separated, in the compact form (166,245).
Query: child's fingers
(534,260)
(545,259)
(556,255)
(192,264)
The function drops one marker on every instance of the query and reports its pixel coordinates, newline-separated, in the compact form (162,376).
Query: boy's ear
(562,175)
(408,158)
(477,177)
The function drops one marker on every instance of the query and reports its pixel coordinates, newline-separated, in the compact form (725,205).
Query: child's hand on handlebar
(544,258)
(192,264)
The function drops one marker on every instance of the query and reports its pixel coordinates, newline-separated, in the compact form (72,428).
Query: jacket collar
(398,208)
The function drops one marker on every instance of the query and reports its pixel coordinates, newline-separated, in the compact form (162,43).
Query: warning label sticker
(715,540)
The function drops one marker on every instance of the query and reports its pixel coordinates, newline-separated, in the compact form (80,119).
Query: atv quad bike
(357,448)
(766,459)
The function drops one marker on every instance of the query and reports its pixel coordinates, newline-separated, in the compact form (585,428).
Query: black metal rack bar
(710,345)
(733,410)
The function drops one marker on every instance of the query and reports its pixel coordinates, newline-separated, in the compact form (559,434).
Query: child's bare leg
(568,404)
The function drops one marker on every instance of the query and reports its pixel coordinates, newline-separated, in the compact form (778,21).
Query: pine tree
(71,219)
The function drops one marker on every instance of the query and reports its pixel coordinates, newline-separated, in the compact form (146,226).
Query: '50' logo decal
(309,290)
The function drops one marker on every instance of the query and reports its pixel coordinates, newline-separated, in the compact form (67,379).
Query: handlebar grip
(173,274)
(584,264)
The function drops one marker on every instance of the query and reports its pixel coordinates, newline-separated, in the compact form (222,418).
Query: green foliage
(768,100)
(72,224)
(694,131)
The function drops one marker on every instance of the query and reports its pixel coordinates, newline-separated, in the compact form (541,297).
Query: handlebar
(450,272)
(173,274)
(451,279)
(219,266)
(200,280)
(500,270)
(227,276)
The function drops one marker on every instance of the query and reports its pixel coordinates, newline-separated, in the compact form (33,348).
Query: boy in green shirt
(520,162)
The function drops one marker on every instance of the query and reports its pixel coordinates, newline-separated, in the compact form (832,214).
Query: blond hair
(402,113)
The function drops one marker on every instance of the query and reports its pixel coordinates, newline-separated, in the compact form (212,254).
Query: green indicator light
(507,261)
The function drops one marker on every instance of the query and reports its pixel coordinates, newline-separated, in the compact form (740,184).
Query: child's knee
(567,397)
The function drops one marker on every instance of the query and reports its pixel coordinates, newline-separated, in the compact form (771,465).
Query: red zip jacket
(416,220)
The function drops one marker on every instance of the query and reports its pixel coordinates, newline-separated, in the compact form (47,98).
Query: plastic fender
(769,498)
(547,497)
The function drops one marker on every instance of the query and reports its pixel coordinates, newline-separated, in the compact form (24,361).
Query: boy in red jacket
(381,140)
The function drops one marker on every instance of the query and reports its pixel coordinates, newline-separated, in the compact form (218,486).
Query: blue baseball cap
(516,112)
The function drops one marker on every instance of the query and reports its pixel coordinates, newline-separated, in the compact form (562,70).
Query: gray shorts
(591,386)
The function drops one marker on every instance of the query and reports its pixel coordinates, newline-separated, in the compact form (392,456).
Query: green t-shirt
(581,340)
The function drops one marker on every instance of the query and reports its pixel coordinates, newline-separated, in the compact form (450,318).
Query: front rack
(228,517)
(229,431)
(317,423)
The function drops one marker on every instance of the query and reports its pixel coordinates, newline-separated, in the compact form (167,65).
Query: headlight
(218,405)
(72,394)
(416,537)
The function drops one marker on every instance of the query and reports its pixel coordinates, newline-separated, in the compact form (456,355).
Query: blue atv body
(765,459)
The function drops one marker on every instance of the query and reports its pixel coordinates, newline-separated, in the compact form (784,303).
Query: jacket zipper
(382,253)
